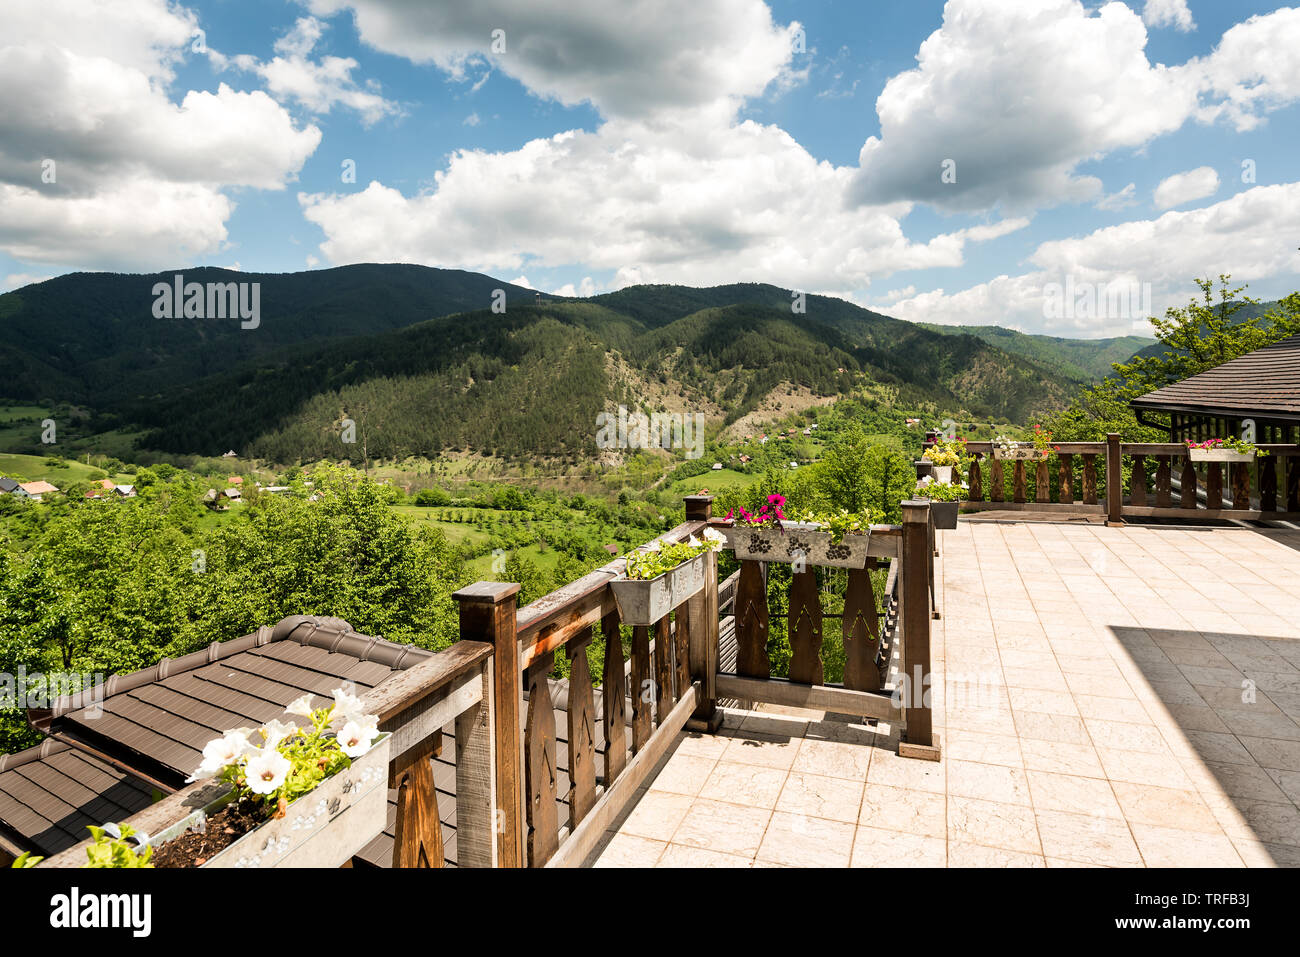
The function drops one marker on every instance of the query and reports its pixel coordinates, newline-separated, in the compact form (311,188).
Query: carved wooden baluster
(417,835)
(614,712)
(540,776)
(1268,483)
(976,479)
(1138,481)
(1065,479)
(1293,483)
(582,732)
(663,669)
(751,623)
(1187,498)
(861,630)
(805,628)
(1089,478)
(641,686)
(997,484)
(681,648)
(1042,483)
(1164,484)
(1240,473)
(1018,486)
(1213,486)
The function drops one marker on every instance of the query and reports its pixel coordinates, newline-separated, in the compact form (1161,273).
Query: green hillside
(1084,359)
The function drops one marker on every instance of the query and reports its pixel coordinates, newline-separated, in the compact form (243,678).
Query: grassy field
(32,468)
(714,481)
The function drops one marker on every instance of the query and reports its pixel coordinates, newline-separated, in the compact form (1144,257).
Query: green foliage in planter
(112,847)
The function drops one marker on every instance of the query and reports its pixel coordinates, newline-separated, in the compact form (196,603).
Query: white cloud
(1255,69)
(137,177)
(586,288)
(472,120)
(628,59)
(319,85)
(1018,93)
(1168,13)
(650,202)
(1249,236)
(16,280)
(1182,188)
(1122,200)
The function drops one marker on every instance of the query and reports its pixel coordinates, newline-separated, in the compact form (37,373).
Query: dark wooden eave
(1263,385)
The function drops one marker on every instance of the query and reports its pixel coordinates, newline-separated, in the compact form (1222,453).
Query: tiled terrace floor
(1111,696)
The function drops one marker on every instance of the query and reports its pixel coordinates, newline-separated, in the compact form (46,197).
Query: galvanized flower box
(794,541)
(645,601)
(324,828)
(945,514)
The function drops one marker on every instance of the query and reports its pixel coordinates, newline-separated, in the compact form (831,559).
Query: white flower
(347,707)
(220,753)
(713,535)
(653,546)
(266,771)
(693,542)
(273,732)
(300,706)
(355,738)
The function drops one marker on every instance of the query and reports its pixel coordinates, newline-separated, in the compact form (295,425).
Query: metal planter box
(794,539)
(1029,454)
(945,514)
(941,473)
(324,828)
(645,601)
(1219,455)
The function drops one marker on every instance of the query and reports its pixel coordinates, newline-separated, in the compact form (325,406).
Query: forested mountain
(1078,358)
(418,360)
(93,337)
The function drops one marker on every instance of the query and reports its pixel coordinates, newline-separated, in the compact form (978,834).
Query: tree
(1196,337)
(842,474)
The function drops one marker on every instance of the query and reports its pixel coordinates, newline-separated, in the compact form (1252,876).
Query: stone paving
(1120,697)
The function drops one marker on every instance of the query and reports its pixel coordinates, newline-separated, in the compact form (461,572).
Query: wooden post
(1114,481)
(487,613)
(699,508)
(476,781)
(417,829)
(975,481)
(914,586)
(702,610)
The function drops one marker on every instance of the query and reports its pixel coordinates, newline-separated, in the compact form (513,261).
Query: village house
(36,490)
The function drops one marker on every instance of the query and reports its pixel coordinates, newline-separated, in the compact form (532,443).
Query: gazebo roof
(1261,384)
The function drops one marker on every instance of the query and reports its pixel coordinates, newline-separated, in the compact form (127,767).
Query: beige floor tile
(1263,725)
(683,774)
(1051,727)
(1287,782)
(1165,807)
(874,847)
(1275,754)
(1073,793)
(987,782)
(775,725)
(1162,770)
(1060,758)
(889,769)
(796,840)
(744,784)
(833,758)
(1266,822)
(1048,702)
(628,850)
(680,855)
(816,795)
(1253,782)
(962,745)
(976,855)
(903,809)
(1124,736)
(1087,838)
(1171,847)
(657,815)
(1112,709)
(992,824)
(762,752)
(727,828)
(1214,748)
(702,745)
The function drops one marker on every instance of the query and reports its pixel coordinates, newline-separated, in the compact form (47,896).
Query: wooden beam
(476,780)
(866,704)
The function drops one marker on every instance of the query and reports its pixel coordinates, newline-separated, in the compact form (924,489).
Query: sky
(1054,166)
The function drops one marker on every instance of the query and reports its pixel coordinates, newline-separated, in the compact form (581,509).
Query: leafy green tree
(1196,337)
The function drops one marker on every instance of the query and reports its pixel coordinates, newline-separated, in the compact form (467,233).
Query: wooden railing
(1162,481)
(908,551)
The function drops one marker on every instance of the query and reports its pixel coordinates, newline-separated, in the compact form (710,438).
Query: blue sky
(593,145)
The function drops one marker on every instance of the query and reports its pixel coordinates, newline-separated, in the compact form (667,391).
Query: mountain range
(424,360)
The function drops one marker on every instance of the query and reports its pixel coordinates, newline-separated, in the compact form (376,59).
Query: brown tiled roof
(49,794)
(149,727)
(1264,384)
